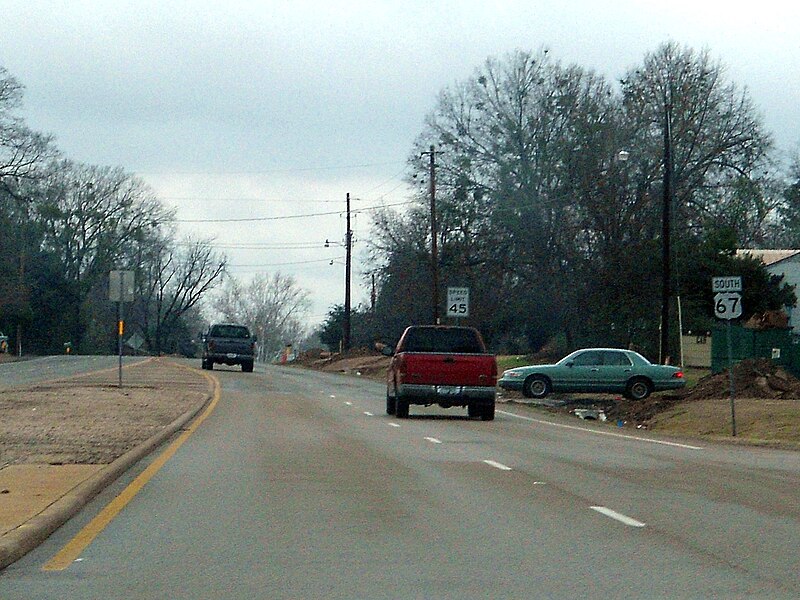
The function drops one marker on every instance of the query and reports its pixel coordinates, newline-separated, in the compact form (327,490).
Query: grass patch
(509,362)
(694,374)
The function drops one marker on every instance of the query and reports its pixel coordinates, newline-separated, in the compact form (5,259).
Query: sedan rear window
(616,359)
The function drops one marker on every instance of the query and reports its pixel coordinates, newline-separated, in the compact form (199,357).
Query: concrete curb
(18,542)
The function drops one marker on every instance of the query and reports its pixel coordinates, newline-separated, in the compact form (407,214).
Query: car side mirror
(570,364)
(387,351)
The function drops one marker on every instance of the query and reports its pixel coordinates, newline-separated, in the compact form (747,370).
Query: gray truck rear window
(230,331)
(460,341)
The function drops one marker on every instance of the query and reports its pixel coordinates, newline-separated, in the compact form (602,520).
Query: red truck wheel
(402,409)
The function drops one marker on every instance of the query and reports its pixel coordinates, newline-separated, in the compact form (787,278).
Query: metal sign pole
(730,376)
(728,306)
(120,290)
(120,321)
(120,327)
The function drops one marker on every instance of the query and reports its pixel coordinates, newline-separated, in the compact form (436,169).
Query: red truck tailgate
(449,369)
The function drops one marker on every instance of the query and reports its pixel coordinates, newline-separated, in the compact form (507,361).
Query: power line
(264,245)
(300,262)
(243,199)
(292,200)
(286,217)
(276,170)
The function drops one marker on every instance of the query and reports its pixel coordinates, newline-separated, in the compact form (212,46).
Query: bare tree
(718,141)
(533,199)
(91,218)
(515,142)
(174,278)
(274,307)
(22,151)
(22,154)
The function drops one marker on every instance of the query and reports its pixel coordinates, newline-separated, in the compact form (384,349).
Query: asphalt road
(46,368)
(299,486)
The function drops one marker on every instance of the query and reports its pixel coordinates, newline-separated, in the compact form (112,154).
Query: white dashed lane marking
(433,440)
(617,516)
(497,465)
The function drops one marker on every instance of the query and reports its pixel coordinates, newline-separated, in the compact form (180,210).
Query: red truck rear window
(451,340)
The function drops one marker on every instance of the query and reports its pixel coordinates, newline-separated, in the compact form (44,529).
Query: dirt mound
(362,362)
(752,378)
(373,366)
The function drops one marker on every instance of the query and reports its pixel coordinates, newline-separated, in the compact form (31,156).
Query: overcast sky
(278,109)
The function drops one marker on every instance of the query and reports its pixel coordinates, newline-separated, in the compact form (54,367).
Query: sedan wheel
(536,386)
(639,389)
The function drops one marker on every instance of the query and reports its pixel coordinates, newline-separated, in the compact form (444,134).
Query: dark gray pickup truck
(229,344)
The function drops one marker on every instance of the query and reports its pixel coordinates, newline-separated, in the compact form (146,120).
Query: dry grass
(758,420)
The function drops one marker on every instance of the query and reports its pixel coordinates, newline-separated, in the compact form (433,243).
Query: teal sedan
(595,370)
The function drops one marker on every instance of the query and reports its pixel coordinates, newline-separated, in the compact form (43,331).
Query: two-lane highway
(299,486)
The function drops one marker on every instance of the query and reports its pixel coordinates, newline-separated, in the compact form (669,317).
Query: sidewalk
(65,441)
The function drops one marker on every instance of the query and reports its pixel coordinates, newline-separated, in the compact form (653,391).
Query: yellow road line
(73,549)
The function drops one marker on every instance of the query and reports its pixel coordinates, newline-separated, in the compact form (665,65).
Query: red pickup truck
(448,366)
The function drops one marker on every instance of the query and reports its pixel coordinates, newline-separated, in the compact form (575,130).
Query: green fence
(777,345)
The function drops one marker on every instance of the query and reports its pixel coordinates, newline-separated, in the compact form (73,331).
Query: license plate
(231,355)
(448,390)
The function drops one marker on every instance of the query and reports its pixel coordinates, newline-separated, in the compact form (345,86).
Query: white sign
(120,286)
(135,341)
(726,284)
(457,302)
(728,305)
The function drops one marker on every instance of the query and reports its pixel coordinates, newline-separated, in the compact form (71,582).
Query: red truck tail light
(401,368)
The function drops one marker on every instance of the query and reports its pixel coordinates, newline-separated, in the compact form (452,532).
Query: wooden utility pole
(665,235)
(434,243)
(348,246)
(373,295)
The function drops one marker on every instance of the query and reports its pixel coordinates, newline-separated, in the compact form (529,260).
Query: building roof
(769,257)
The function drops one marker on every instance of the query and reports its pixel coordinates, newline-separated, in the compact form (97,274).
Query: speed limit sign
(728,305)
(458,302)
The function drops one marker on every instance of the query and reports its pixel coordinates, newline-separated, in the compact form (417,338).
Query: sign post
(458,302)
(728,306)
(120,290)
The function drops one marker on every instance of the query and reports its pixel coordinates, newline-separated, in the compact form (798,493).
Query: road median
(65,441)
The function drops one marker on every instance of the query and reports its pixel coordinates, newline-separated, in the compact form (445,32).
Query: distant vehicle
(3,342)
(600,370)
(448,366)
(229,344)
